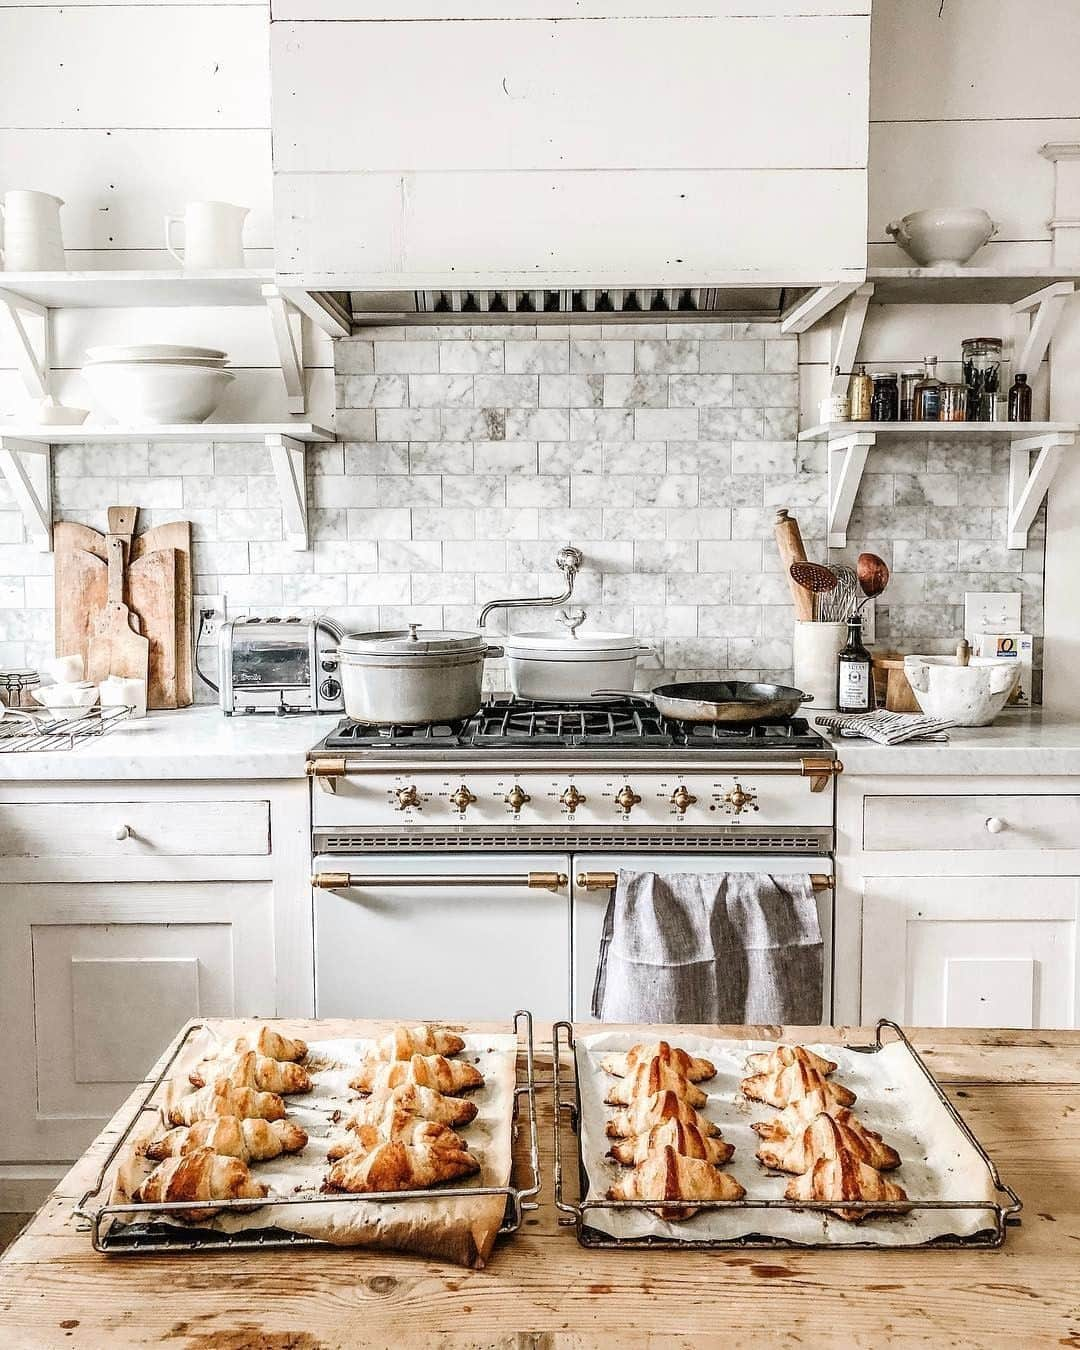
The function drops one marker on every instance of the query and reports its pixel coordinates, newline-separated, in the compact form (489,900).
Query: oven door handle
(533,881)
(605,881)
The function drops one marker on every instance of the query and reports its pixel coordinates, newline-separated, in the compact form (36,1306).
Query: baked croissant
(431,1071)
(785,1055)
(396,1167)
(223,1099)
(646,1112)
(404,1042)
(201,1175)
(667,1175)
(843,1177)
(249,1140)
(252,1070)
(794,1118)
(419,1101)
(652,1076)
(783,1086)
(687,1140)
(266,1041)
(399,1128)
(697,1070)
(824,1137)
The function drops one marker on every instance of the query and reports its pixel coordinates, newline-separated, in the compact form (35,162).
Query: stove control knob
(408,796)
(572,798)
(462,798)
(516,798)
(738,798)
(681,798)
(627,799)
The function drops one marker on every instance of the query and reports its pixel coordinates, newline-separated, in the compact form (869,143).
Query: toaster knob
(330,689)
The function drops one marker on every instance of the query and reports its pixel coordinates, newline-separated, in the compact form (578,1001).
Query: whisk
(838,605)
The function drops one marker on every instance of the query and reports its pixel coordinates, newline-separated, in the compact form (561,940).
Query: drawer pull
(123,832)
(994,824)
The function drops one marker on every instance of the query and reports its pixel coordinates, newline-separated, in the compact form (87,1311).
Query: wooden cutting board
(152,587)
(81,586)
(116,646)
(173,538)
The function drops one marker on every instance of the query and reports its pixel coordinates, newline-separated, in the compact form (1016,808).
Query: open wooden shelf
(950,285)
(308,432)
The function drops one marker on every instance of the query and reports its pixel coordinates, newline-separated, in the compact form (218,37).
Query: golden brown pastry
(795,1117)
(222,1099)
(827,1136)
(201,1175)
(687,1140)
(431,1071)
(252,1070)
(697,1070)
(404,1042)
(646,1112)
(396,1167)
(782,1086)
(652,1076)
(266,1041)
(420,1101)
(666,1176)
(398,1128)
(785,1055)
(843,1177)
(251,1140)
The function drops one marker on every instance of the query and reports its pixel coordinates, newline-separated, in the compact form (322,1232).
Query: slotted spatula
(116,648)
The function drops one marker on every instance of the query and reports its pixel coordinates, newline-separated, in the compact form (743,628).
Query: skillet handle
(622,693)
(806,698)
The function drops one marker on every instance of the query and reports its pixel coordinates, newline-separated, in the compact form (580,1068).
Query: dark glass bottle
(1020,400)
(855,682)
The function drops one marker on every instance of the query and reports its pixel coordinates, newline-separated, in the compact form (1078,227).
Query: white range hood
(577,156)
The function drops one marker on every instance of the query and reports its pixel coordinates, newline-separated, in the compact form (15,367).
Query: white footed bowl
(944,234)
(157,393)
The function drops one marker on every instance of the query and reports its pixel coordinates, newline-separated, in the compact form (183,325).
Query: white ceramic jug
(32,238)
(213,235)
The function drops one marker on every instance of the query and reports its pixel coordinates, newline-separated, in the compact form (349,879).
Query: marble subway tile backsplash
(469,455)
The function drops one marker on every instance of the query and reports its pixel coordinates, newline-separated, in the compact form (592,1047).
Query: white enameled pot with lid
(410,676)
(571,665)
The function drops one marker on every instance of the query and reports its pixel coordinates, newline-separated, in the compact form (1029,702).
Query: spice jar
(954,403)
(885,404)
(861,395)
(908,380)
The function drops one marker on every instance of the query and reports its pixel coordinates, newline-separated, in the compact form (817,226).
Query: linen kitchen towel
(734,947)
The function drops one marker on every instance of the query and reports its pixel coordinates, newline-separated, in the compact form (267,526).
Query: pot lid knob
(571,619)
(412,632)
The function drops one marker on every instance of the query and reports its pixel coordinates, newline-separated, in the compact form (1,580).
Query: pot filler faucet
(568,560)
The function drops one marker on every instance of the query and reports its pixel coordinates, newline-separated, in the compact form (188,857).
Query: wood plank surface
(1019,1090)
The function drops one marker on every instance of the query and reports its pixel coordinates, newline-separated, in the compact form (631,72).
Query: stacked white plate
(158,383)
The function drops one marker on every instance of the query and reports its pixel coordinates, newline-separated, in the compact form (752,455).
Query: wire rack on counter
(22,732)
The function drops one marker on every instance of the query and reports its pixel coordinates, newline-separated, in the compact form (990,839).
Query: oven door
(589,905)
(452,937)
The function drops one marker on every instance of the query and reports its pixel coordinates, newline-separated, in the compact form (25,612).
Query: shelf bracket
(286,322)
(26,467)
(847,460)
(34,361)
(1048,304)
(287,458)
(846,347)
(816,305)
(1030,478)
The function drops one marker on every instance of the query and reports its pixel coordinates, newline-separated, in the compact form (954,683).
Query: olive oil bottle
(855,683)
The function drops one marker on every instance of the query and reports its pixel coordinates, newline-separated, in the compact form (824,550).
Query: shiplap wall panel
(136,66)
(608,94)
(379,10)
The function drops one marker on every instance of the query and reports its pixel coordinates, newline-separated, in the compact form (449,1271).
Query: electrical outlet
(869,625)
(209,614)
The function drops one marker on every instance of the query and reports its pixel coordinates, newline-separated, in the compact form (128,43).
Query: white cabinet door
(976,952)
(430,950)
(96,979)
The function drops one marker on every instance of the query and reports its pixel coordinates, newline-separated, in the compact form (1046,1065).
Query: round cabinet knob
(681,798)
(572,799)
(462,798)
(738,798)
(516,798)
(123,832)
(627,799)
(994,825)
(407,796)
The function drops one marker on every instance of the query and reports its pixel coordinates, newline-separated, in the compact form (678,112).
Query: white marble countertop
(1017,743)
(193,743)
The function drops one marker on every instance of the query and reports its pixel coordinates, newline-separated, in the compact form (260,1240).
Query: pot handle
(494,651)
(645,650)
(170,221)
(1001,677)
(806,698)
(622,693)
(898,231)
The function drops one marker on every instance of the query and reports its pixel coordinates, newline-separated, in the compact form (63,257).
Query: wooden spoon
(873,573)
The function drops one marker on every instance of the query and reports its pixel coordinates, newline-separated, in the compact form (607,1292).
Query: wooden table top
(1019,1091)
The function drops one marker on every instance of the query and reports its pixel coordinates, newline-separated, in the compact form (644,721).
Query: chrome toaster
(279,665)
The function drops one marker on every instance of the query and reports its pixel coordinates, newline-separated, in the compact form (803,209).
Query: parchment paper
(893,1097)
(459,1230)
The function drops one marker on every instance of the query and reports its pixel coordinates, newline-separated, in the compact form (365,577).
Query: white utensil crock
(32,238)
(213,236)
(815,649)
(970,696)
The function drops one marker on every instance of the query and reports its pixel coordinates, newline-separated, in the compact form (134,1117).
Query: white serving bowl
(943,234)
(155,351)
(159,393)
(70,701)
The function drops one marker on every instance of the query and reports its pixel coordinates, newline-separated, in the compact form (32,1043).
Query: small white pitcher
(213,236)
(32,238)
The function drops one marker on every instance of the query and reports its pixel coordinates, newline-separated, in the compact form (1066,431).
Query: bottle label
(854,690)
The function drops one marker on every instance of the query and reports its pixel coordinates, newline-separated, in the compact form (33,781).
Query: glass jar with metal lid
(885,404)
(982,375)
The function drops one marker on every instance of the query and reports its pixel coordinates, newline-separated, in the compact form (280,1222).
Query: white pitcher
(213,236)
(32,238)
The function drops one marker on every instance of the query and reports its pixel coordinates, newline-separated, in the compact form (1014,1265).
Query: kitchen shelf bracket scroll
(1033,462)
(33,359)
(26,467)
(847,461)
(846,346)
(287,459)
(1048,304)
(286,323)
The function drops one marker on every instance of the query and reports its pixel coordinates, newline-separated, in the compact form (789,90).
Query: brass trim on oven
(534,881)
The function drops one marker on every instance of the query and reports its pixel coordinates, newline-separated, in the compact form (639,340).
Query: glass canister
(908,380)
(982,374)
(954,403)
(15,686)
(885,404)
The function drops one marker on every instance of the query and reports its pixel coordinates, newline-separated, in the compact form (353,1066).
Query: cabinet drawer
(133,829)
(915,824)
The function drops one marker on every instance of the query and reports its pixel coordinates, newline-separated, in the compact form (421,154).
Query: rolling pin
(790,544)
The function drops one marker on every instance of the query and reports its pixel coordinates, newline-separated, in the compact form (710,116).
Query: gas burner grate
(525,723)
(349,735)
(789,732)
